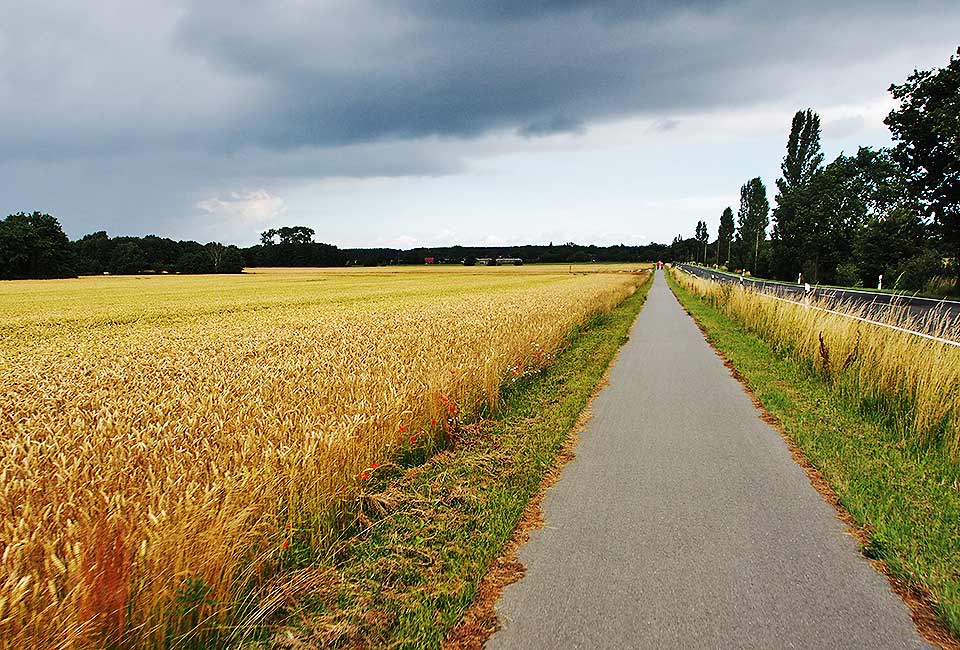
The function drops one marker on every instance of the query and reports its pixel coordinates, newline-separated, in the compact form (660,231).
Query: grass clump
(911,381)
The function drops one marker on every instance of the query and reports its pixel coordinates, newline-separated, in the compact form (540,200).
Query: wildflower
(286,543)
(413,439)
(433,422)
(364,476)
(402,428)
(374,466)
(453,409)
(444,399)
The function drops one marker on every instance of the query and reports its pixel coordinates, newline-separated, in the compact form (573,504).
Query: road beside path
(928,313)
(683,522)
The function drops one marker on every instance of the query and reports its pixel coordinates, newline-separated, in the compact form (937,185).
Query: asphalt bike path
(683,522)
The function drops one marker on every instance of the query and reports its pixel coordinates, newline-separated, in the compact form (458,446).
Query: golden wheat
(913,380)
(164,437)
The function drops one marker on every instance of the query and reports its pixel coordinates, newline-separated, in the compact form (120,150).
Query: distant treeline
(294,246)
(35,246)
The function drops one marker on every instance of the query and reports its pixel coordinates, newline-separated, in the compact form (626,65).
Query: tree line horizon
(889,211)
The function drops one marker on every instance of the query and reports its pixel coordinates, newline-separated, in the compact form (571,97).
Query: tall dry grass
(912,381)
(158,463)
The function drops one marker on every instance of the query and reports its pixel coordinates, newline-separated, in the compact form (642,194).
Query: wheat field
(912,381)
(165,437)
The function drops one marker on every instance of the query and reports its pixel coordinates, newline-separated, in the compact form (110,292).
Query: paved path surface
(683,522)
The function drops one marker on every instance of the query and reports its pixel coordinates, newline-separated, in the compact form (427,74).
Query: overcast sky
(433,122)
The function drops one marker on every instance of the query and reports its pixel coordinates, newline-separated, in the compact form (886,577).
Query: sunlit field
(913,381)
(170,441)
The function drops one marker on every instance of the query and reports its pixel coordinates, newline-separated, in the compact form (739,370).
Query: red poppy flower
(364,476)
(402,428)
(453,409)
(444,400)
(374,466)
(433,421)
(286,543)
(413,439)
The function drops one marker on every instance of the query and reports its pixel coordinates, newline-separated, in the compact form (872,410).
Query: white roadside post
(880,282)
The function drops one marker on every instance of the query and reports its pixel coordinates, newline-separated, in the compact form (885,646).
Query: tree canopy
(926,128)
(34,246)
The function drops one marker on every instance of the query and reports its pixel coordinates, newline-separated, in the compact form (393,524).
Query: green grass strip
(431,532)
(904,494)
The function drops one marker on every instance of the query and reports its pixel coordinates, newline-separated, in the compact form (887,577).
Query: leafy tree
(34,246)
(915,273)
(194,262)
(127,258)
(581,256)
(161,253)
(211,258)
(224,259)
(93,252)
(841,199)
(800,165)
(886,242)
(287,235)
(702,237)
(753,218)
(725,235)
(926,128)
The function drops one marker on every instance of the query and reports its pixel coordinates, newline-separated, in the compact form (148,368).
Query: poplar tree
(725,234)
(753,218)
(791,216)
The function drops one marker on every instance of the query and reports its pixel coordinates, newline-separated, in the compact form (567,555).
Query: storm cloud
(152,108)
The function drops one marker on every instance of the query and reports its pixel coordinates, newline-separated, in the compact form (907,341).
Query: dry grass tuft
(915,382)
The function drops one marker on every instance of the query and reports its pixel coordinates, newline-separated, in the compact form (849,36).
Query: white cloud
(258,206)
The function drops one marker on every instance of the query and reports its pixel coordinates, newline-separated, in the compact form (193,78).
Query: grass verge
(902,495)
(430,531)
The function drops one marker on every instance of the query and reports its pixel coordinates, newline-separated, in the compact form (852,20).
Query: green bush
(916,273)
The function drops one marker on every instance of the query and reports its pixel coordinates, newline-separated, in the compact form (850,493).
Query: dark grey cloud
(507,10)
(363,70)
(552,126)
(226,74)
(665,124)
